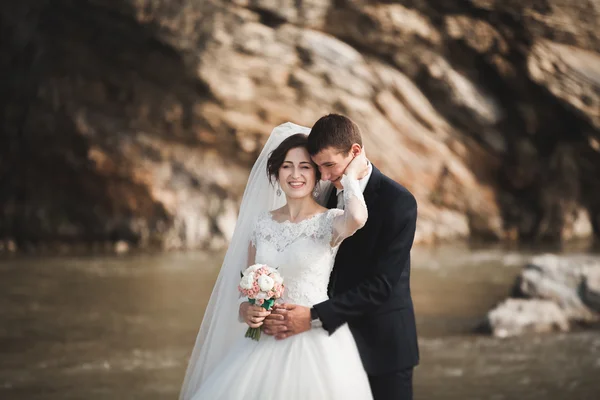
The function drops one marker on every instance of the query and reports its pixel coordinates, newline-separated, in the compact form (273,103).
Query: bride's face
(332,163)
(297,174)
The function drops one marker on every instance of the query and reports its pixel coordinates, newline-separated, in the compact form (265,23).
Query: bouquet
(262,285)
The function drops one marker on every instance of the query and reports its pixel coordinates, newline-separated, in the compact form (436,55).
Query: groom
(369,287)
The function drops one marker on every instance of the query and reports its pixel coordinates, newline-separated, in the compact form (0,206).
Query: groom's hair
(277,156)
(335,131)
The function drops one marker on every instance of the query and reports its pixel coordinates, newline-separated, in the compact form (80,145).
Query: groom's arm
(387,270)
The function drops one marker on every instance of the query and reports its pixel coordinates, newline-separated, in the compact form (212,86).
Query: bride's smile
(296,185)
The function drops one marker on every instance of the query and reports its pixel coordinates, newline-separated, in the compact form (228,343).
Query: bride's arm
(355,212)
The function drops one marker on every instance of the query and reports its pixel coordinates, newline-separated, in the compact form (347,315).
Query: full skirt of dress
(307,366)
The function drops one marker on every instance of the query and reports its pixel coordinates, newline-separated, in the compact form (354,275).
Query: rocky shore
(552,293)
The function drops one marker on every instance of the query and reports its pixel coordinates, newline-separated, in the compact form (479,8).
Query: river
(121,327)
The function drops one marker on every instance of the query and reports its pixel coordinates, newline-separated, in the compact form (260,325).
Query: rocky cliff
(138,120)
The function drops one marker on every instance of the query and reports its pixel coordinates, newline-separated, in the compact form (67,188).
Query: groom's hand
(296,320)
(286,320)
(275,322)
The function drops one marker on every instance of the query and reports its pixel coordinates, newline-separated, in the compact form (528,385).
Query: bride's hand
(358,167)
(253,315)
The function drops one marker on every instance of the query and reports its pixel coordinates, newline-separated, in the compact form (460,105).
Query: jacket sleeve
(387,269)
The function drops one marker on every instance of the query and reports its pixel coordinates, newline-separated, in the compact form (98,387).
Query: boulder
(560,280)
(516,317)
(552,293)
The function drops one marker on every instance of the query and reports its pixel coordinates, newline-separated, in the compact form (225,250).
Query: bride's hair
(335,131)
(277,157)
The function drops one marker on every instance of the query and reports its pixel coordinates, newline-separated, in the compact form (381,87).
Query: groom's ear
(356,149)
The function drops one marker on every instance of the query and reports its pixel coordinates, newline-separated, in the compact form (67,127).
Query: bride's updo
(277,157)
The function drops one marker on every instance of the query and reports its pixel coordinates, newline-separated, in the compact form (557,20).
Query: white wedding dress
(308,366)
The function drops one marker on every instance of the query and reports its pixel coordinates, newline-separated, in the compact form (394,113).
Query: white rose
(265,283)
(247,281)
(251,269)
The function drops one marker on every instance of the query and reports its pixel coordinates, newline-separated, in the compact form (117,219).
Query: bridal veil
(220,326)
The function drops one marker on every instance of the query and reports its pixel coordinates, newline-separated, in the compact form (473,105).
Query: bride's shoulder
(325,215)
(274,215)
(334,212)
(329,216)
(322,210)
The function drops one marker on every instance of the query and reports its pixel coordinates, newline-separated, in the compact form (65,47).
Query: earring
(316,191)
(278,192)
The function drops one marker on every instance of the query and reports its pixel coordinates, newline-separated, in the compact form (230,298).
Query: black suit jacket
(369,287)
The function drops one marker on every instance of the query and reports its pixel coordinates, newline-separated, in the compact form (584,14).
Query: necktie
(340,200)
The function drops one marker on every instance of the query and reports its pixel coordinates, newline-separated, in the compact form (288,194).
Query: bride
(299,237)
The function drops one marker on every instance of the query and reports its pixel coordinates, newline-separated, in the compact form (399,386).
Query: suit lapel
(359,240)
(371,192)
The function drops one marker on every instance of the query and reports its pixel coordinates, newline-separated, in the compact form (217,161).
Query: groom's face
(332,164)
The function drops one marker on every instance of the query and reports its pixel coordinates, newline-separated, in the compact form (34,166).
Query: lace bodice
(302,253)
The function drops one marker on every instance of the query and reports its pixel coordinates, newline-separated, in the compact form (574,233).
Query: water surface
(122,327)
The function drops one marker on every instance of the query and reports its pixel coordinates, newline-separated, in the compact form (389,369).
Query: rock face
(553,291)
(137,120)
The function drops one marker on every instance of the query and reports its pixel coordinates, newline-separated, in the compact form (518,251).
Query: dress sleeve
(355,212)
